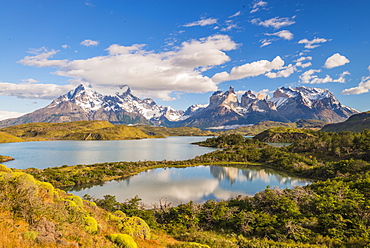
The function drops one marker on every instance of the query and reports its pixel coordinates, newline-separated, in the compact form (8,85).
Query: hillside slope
(35,214)
(355,123)
(80,130)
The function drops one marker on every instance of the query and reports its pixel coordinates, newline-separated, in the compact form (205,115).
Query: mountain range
(224,108)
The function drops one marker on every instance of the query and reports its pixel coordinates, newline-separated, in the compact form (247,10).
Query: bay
(198,184)
(43,154)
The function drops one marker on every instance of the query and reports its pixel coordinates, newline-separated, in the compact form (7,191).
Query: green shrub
(31,235)
(120,214)
(136,227)
(91,225)
(189,245)
(123,240)
(4,168)
(76,199)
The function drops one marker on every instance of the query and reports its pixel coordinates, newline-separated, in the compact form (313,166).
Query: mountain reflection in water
(197,184)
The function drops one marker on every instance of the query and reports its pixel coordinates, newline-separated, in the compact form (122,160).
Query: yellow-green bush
(31,235)
(123,240)
(189,245)
(4,168)
(76,199)
(120,214)
(91,225)
(136,227)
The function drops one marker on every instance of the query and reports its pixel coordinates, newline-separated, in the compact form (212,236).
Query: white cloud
(299,62)
(148,73)
(8,114)
(229,26)
(368,68)
(303,65)
(257,5)
(308,77)
(41,58)
(286,72)
(285,34)
(362,87)
(335,61)
(249,70)
(33,91)
(275,22)
(303,59)
(202,22)
(65,46)
(310,44)
(29,80)
(89,43)
(266,42)
(236,14)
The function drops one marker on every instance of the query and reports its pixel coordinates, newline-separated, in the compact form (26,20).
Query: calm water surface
(43,154)
(197,184)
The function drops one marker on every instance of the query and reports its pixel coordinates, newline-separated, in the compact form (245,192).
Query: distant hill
(355,123)
(91,130)
(265,125)
(8,138)
(283,135)
(173,131)
(80,130)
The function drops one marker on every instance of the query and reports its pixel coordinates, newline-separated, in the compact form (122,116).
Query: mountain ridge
(224,108)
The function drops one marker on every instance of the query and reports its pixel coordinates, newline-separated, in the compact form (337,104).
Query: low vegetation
(5,159)
(91,130)
(173,131)
(265,125)
(356,123)
(333,211)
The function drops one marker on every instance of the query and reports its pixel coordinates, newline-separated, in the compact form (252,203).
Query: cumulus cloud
(65,46)
(33,91)
(336,60)
(286,72)
(9,114)
(285,34)
(310,44)
(41,58)
(257,5)
(275,22)
(148,73)
(299,62)
(362,87)
(308,77)
(249,70)
(89,43)
(202,22)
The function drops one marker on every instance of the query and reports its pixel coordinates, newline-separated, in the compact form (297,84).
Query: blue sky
(180,52)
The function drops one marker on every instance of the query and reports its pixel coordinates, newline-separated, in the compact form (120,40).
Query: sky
(180,52)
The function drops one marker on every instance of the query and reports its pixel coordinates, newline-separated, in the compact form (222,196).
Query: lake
(197,184)
(43,154)
(168,184)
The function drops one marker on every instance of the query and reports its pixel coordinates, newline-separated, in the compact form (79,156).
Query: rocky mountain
(355,123)
(86,104)
(287,105)
(224,108)
(310,103)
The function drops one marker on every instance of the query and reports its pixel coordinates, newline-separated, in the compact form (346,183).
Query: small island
(5,159)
